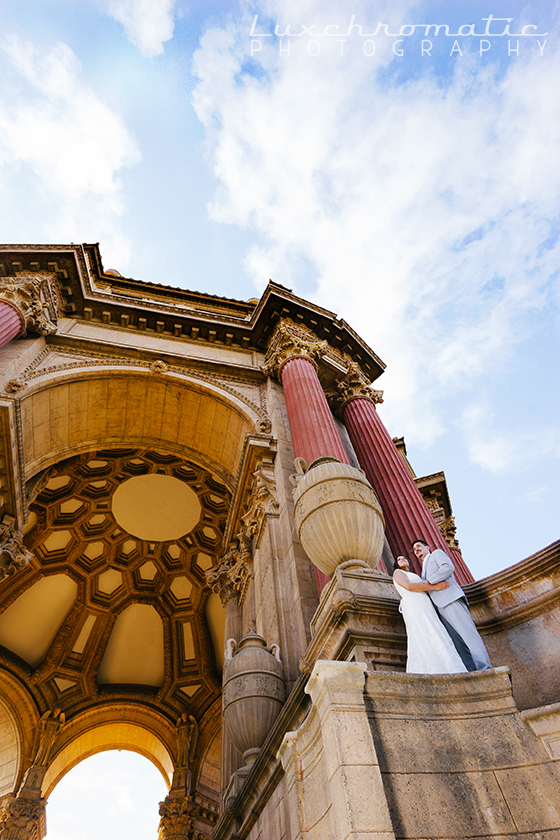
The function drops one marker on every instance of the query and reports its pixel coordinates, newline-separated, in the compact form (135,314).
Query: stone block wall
(388,755)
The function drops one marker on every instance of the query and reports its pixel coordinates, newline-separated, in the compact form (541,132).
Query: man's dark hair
(420,541)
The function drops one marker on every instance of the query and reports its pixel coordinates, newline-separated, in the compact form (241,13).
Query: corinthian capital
(35,297)
(22,819)
(178,819)
(354,386)
(289,342)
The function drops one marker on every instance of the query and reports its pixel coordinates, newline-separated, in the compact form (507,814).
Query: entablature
(89,293)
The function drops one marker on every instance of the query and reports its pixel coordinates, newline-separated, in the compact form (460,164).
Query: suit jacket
(436,567)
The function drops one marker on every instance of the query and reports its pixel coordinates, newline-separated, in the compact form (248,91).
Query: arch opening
(113,794)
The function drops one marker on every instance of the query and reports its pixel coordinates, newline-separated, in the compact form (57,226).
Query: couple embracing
(442,637)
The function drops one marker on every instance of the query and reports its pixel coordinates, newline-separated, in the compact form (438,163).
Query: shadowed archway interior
(110,616)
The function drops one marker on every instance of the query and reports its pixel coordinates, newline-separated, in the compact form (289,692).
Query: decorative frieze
(289,342)
(36,299)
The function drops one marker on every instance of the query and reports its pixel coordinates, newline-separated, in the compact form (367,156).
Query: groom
(452,607)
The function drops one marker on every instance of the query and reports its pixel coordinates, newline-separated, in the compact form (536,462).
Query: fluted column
(406,514)
(292,359)
(312,425)
(11,323)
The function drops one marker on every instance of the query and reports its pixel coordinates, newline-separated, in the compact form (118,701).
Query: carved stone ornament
(253,692)
(287,343)
(187,737)
(22,819)
(177,819)
(262,501)
(13,554)
(15,385)
(46,735)
(35,296)
(233,573)
(355,385)
(337,514)
(449,529)
(159,366)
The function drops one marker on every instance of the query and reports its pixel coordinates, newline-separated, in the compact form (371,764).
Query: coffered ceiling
(113,604)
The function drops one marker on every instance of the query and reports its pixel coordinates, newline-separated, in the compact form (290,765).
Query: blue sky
(415,195)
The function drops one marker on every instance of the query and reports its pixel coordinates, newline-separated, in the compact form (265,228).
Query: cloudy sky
(405,178)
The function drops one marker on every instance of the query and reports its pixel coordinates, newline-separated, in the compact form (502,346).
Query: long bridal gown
(429,647)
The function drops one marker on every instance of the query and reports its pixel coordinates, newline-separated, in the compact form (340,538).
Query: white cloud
(420,210)
(55,126)
(513,450)
(148,23)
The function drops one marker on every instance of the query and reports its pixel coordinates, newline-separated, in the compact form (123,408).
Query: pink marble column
(406,514)
(11,323)
(312,425)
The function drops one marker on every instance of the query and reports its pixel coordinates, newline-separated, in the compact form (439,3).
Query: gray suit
(453,609)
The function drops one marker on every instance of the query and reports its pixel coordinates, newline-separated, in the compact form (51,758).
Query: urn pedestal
(253,693)
(337,514)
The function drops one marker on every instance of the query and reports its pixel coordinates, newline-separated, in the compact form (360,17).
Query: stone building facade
(170,463)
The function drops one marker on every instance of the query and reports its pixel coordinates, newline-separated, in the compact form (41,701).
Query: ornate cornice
(36,299)
(289,342)
(353,386)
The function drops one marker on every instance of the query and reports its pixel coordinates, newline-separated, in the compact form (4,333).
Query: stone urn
(253,692)
(337,514)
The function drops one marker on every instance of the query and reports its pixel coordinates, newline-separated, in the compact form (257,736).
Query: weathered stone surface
(331,763)
(454,750)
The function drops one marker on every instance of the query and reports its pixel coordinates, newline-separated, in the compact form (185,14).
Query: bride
(429,647)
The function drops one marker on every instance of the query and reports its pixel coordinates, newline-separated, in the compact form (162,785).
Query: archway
(112,794)
(134,638)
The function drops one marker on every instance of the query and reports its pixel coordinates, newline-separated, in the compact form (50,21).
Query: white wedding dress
(429,647)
